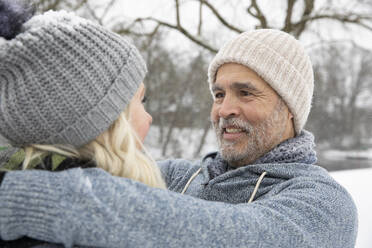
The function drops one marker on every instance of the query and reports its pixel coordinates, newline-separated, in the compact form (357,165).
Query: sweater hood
(292,159)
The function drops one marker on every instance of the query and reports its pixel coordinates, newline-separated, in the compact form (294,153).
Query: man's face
(248,116)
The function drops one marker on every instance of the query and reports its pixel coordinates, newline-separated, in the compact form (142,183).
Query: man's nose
(229,108)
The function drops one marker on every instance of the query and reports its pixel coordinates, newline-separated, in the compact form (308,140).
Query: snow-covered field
(359,185)
(351,154)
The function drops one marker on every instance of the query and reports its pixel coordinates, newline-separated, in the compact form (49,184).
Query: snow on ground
(359,185)
(350,154)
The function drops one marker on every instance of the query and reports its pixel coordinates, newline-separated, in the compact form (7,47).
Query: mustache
(235,122)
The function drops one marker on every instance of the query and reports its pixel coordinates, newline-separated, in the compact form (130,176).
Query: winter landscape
(178,39)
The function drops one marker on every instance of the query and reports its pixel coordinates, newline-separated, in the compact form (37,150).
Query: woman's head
(119,149)
(70,86)
(64,80)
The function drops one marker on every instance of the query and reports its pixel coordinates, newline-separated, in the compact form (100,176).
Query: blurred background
(179,38)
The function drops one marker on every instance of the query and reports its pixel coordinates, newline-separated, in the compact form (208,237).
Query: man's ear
(290,118)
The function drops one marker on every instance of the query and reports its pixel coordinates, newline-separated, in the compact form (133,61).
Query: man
(261,189)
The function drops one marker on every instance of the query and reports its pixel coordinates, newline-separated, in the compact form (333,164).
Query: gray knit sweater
(297,205)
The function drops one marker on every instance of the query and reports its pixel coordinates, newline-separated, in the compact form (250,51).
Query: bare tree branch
(107,9)
(178,21)
(344,18)
(296,28)
(288,18)
(175,27)
(220,18)
(258,14)
(125,31)
(200,16)
(365,26)
(309,7)
(81,4)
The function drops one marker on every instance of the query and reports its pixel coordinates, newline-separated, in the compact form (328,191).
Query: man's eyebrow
(216,87)
(244,85)
(237,86)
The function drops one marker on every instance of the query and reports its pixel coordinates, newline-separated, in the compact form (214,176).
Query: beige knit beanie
(280,60)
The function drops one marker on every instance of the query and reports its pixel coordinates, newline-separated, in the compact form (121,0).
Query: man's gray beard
(259,139)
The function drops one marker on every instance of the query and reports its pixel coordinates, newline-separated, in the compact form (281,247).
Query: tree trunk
(203,139)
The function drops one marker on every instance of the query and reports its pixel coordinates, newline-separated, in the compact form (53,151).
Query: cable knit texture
(64,80)
(297,205)
(280,60)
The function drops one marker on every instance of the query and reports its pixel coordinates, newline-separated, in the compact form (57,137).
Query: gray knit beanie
(64,80)
(280,60)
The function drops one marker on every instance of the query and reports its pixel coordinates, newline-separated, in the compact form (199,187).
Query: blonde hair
(118,150)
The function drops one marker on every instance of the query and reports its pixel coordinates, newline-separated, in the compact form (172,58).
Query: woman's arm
(91,207)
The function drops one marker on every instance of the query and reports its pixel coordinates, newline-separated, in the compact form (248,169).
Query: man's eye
(218,95)
(145,99)
(245,93)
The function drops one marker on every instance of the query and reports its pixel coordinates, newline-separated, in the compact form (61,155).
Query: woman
(72,95)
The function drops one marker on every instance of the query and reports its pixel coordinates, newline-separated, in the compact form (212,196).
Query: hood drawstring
(253,193)
(257,186)
(190,180)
